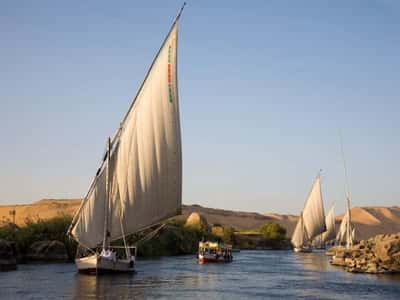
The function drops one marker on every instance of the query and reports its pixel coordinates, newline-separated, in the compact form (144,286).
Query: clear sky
(264,88)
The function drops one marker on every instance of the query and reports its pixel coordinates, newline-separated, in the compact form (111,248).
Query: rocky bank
(8,256)
(380,254)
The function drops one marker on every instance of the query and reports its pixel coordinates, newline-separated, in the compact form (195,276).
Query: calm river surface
(253,274)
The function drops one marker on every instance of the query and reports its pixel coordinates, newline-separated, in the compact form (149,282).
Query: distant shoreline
(369,221)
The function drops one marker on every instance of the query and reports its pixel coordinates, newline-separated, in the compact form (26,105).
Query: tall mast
(107,202)
(303,231)
(349,241)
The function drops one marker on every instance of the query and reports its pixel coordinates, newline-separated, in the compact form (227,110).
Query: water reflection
(158,278)
(315,261)
(253,274)
(87,286)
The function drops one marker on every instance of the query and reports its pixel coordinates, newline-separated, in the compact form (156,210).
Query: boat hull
(302,250)
(96,264)
(212,259)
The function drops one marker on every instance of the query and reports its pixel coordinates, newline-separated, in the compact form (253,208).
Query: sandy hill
(238,219)
(44,209)
(373,220)
(369,221)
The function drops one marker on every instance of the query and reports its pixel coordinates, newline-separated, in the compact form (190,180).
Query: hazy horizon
(264,90)
(205,206)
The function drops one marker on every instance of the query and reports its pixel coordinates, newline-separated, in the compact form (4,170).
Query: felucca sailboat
(139,181)
(346,232)
(345,235)
(300,239)
(311,222)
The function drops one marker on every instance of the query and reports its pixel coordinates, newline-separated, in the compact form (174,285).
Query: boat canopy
(214,246)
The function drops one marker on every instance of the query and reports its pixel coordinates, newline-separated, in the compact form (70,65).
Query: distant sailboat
(300,239)
(330,234)
(139,182)
(346,230)
(311,222)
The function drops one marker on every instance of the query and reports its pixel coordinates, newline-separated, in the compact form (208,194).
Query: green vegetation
(39,230)
(249,232)
(173,239)
(229,236)
(273,231)
(268,236)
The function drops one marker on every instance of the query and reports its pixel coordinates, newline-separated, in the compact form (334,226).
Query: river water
(252,275)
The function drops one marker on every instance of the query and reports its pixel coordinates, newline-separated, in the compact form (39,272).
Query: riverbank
(46,241)
(368,221)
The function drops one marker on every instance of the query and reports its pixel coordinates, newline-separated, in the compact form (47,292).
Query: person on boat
(108,254)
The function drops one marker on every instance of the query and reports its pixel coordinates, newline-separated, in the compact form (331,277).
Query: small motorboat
(214,252)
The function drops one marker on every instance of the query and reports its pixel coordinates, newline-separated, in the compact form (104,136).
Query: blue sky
(264,87)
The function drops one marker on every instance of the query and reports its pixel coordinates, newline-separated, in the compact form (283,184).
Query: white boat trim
(97,264)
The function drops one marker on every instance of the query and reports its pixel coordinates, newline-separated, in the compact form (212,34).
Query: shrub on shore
(229,235)
(39,230)
(268,236)
(273,231)
(174,238)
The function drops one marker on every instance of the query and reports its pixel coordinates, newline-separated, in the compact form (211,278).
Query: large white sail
(330,232)
(145,165)
(149,164)
(341,235)
(299,237)
(313,213)
(89,227)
